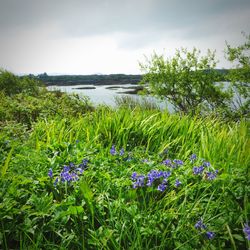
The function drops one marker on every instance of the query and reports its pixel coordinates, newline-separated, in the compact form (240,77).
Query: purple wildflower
(193,157)
(83,164)
(66,168)
(133,176)
(122,152)
(177,183)
(210,235)
(200,225)
(55,183)
(150,182)
(139,182)
(80,170)
(166,174)
(212,175)
(161,187)
(50,173)
(71,165)
(178,162)
(246,230)
(206,164)
(165,181)
(198,170)
(112,150)
(167,162)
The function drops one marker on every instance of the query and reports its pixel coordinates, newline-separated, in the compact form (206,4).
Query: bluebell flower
(74,177)
(212,175)
(153,174)
(159,174)
(246,230)
(71,165)
(133,176)
(178,162)
(65,176)
(177,183)
(161,187)
(166,174)
(66,168)
(84,164)
(210,235)
(193,157)
(198,170)
(206,164)
(80,170)
(165,181)
(167,162)
(112,150)
(200,225)
(122,152)
(50,173)
(139,181)
(56,181)
(150,182)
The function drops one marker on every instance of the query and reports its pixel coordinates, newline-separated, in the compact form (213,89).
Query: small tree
(239,77)
(11,84)
(187,80)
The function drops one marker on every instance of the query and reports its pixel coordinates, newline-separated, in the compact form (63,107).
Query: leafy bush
(187,80)
(11,84)
(24,108)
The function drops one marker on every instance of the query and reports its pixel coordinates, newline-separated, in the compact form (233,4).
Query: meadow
(78,177)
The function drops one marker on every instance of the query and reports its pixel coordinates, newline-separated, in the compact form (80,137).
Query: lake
(105,94)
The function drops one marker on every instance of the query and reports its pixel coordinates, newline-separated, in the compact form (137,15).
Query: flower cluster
(199,170)
(160,178)
(114,152)
(193,157)
(199,225)
(212,175)
(174,164)
(69,173)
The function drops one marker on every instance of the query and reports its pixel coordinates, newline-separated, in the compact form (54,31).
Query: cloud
(94,17)
(49,34)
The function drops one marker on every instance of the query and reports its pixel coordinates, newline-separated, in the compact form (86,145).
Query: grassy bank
(94,204)
(135,177)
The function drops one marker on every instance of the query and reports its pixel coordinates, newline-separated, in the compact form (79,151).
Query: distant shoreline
(96,80)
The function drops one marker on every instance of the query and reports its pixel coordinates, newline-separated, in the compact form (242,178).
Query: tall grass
(102,210)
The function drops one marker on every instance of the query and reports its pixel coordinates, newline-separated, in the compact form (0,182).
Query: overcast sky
(111,36)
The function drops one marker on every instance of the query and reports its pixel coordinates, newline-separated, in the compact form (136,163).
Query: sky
(113,36)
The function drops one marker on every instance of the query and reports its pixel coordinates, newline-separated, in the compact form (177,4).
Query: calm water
(103,95)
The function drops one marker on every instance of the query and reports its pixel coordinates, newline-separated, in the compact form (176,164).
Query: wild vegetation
(74,176)
(191,83)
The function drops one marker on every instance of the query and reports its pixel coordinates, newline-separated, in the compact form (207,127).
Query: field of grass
(124,179)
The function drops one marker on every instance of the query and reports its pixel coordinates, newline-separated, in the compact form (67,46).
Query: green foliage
(187,80)
(102,210)
(239,77)
(11,84)
(25,109)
